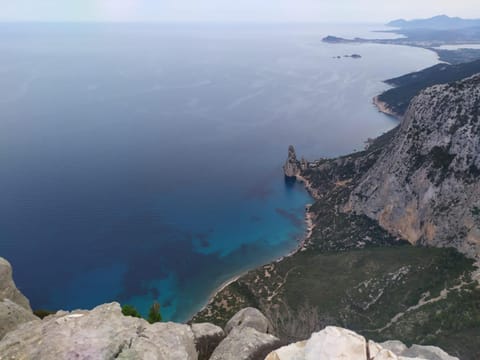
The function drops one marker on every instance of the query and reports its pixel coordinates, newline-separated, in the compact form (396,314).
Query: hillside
(441,22)
(356,270)
(408,86)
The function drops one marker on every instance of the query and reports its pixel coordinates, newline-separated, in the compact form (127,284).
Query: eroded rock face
(249,317)
(14,307)
(245,343)
(292,166)
(102,333)
(207,337)
(427,352)
(424,187)
(335,343)
(8,290)
(12,315)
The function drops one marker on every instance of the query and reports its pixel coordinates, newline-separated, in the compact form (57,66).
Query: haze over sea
(143,162)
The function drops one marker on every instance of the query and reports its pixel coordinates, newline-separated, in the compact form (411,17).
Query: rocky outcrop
(12,315)
(245,343)
(292,166)
(207,337)
(249,317)
(105,333)
(248,337)
(102,333)
(14,307)
(335,343)
(8,290)
(424,187)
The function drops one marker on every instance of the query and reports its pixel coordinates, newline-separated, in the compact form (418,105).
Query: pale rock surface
(207,337)
(8,290)
(12,315)
(294,351)
(249,317)
(335,343)
(395,346)
(427,352)
(102,333)
(243,343)
(424,186)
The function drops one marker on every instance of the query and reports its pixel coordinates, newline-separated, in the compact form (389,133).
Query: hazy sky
(233,10)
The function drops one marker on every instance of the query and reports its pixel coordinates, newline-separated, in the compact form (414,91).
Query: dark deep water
(143,162)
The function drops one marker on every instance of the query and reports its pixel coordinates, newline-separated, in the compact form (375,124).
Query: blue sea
(142,162)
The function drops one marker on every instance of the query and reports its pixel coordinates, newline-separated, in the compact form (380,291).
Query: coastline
(310,226)
(384,108)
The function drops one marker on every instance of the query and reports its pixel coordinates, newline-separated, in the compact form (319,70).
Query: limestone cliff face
(425,186)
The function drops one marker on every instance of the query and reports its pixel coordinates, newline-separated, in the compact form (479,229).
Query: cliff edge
(425,186)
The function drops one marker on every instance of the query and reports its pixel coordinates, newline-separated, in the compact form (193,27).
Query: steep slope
(408,86)
(425,185)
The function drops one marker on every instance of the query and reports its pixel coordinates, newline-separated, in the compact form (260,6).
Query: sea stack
(292,165)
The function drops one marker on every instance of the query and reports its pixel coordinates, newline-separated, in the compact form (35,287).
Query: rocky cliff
(425,185)
(105,333)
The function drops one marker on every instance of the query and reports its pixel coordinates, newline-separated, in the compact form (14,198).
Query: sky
(233,10)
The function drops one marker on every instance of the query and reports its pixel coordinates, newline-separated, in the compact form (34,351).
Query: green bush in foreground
(154,314)
(129,310)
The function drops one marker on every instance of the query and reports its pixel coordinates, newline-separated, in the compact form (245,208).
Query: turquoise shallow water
(143,163)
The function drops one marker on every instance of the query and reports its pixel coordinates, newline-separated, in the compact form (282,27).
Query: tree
(154,314)
(129,310)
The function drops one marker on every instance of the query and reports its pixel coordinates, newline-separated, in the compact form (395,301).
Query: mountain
(441,22)
(393,240)
(408,86)
(424,187)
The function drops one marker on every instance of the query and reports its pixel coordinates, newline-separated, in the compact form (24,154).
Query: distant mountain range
(441,22)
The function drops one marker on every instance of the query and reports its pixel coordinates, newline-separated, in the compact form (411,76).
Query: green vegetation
(154,314)
(129,310)
(41,313)
(352,273)
(408,86)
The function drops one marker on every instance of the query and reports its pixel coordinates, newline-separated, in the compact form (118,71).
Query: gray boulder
(102,333)
(245,343)
(162,341)
(395,346)
(12,315)
(249,317)
(427,352)
(207,337)
(8,290)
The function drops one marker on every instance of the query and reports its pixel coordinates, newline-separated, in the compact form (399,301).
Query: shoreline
(384,109)
(310,226)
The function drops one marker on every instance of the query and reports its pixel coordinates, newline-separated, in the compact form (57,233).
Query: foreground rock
(424,187)
(249,317)
(335,343)
(245,343)
(14,307)
(102,333)
(12,315)
(207,337)
(8,290)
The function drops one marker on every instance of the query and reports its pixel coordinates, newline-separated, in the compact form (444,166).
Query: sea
(143,162)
